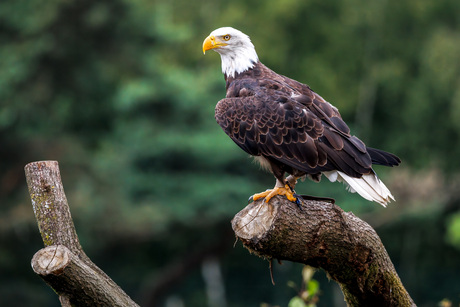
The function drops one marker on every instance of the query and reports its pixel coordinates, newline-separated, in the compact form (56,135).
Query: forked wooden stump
(63,264)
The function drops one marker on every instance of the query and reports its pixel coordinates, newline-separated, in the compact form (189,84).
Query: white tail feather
(368,186)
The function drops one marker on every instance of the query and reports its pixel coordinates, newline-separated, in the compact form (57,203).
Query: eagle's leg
(280,188)
(291,180)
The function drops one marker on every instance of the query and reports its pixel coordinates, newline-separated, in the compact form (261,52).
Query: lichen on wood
(50,205)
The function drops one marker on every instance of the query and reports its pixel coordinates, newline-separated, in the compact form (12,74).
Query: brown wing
(285,128)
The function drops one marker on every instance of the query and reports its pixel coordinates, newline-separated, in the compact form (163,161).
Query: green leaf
(453,230)
(296,302)
(313,288)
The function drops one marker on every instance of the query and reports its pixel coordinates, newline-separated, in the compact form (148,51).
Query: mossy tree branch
(322,235)
(69,271)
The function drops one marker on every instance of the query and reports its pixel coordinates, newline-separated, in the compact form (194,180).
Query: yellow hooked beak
(211,43)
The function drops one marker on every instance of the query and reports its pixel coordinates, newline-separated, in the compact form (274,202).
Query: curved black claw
(250,199)
(297,196)
(298,201)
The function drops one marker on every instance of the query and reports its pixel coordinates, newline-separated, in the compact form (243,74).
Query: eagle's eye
(226,37)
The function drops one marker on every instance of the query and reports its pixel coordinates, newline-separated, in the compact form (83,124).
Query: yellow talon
(286,190)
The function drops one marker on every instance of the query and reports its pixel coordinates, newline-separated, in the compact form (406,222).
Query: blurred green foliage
(308,295)
(120,94)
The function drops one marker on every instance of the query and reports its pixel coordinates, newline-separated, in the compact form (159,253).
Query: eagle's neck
(238,60)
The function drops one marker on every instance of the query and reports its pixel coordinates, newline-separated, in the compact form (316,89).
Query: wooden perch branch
(59,267)
(322,235)
(63,264)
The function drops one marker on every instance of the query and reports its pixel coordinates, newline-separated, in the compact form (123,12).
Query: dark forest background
(121,95)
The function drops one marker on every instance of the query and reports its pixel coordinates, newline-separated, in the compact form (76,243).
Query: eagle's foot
(269,194)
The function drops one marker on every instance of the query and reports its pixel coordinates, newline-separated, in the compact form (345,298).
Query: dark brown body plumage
(292,127)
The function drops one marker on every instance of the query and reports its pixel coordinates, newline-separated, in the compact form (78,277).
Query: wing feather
(286,121)
(294,135)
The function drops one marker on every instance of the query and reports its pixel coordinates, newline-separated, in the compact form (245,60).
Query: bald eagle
(288,127)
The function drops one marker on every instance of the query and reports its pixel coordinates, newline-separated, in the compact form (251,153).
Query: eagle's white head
(235,48)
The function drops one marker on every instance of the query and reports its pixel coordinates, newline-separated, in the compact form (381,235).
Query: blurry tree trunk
(155,289)
(322,235)
(63,264)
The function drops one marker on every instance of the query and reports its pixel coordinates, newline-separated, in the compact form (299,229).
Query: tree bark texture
(322,235)
(50,206)
(58,233)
